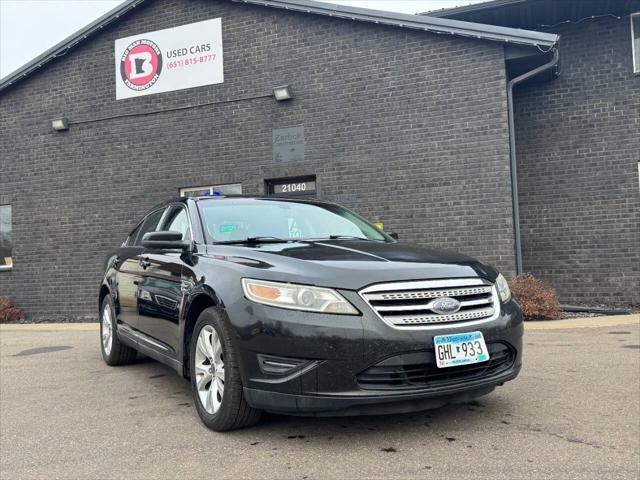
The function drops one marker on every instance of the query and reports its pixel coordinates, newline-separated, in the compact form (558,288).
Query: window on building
(211,190)
(6,261)
(635,37)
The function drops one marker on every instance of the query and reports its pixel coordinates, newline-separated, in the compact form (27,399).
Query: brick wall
(578,146)
(406,127)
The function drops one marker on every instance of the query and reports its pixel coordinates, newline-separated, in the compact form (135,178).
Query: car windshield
(241,219)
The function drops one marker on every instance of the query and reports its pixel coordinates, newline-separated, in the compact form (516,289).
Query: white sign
(172,59)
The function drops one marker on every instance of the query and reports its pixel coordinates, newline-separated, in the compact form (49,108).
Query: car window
(150,224)
(133,235)
(178,221)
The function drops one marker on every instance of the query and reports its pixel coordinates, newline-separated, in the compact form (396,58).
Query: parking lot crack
(533,428)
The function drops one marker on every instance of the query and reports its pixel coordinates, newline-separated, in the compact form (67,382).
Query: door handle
(144,262)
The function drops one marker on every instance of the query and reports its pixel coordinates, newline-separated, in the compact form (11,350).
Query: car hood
(350,264)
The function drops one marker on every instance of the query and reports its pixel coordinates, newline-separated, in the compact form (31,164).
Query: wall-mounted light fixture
(283,93)
(60,124)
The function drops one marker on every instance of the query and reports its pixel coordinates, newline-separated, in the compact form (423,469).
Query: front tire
(216,384)
(114,352)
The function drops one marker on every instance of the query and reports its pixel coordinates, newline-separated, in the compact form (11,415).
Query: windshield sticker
(294,231)
(229,227)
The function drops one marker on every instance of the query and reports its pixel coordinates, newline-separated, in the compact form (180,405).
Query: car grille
(419,370)
(166,302)
(410,304)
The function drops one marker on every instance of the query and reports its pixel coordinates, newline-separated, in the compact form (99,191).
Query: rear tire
(114,352)
(216,384)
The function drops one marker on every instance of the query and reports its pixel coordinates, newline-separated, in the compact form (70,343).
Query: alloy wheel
(209,369)
(107,330)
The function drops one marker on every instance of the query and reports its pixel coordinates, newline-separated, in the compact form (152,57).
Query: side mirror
(393,235)
(165,241)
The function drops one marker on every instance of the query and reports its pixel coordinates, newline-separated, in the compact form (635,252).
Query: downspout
(512,152)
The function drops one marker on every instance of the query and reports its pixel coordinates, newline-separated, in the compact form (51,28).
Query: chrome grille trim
(427,306)
(450,292)
(386,300)
(455,317)
(425,284)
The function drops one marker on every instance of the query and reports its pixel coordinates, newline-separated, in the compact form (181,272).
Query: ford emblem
(445,305)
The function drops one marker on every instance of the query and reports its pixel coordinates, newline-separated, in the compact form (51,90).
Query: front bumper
(332,351)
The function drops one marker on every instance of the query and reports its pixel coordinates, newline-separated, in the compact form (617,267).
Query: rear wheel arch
(114,352)
(104,291)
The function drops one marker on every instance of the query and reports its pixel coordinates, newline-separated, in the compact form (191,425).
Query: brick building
(578,146)
(405,119)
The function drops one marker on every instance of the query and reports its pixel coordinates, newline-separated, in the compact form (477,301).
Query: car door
(129,271)
(160,294)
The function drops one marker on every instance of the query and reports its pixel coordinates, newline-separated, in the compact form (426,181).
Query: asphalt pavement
(574,412)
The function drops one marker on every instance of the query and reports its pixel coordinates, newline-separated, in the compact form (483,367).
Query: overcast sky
(29,27)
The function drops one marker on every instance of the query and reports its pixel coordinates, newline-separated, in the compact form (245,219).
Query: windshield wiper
(341,237)
(347,237)
(256,240)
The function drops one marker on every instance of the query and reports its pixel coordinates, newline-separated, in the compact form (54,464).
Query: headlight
(503,288)
(297,297)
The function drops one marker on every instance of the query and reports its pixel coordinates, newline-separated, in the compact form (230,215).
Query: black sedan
(303,307)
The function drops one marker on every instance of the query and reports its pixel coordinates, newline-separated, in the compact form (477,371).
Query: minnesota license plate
(460,349)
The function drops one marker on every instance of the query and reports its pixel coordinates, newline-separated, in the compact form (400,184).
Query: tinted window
(178,221)
(150,224)
(133,235)
(635,32)
(5,238)
(227,220)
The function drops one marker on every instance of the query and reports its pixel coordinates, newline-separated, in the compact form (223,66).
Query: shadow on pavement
(447,424)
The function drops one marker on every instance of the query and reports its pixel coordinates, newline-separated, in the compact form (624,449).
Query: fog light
(60,124)
(279,365)
(283,93)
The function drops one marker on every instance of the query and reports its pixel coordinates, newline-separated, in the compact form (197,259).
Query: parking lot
(573,413)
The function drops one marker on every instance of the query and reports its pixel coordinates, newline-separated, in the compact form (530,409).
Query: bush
(538,301)
(9,312)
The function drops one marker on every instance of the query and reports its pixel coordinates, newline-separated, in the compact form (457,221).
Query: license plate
(460,349)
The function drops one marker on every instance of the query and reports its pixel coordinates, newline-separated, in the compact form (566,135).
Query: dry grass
(537,300)
(9,312)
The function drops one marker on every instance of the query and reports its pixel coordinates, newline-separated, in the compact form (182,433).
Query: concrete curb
(48,327)
(588,322)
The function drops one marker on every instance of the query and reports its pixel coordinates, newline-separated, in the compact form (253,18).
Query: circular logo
(141,64)
(445,305)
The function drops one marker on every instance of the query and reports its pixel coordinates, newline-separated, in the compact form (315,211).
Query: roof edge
(420,22)
(475,7)
(71,41)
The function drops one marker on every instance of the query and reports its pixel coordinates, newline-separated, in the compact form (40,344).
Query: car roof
(222,198)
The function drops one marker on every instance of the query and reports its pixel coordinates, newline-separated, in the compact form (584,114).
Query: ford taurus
(303,307)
